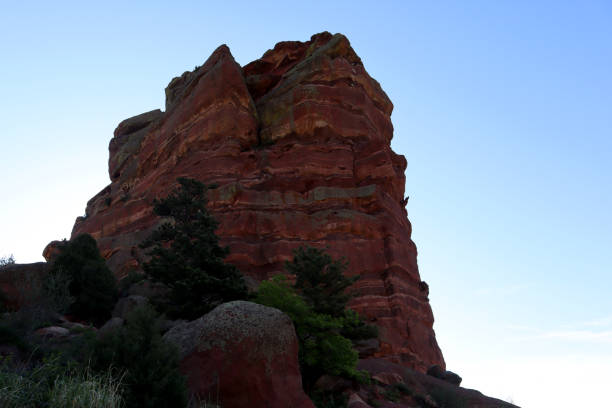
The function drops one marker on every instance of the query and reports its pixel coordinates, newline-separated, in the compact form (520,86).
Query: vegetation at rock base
(91,282)
(152,378)
(129,366)
(322,349)
(317,306)
(53,384)
(186,255)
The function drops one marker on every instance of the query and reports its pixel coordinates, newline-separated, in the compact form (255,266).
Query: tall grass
(86,390)
(52,385)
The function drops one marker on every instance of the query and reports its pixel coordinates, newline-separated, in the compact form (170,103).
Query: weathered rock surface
(399,387)
(241,354)
(298,143)
(126,305)
(110,325)
(448,376)
(53,332)
(18,282)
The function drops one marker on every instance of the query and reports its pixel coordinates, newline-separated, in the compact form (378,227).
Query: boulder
(52,250)
(110,325)
(448,376)
(125,305)
(53,332)
(332,384)
(148,289)
(355,401)
(243,355)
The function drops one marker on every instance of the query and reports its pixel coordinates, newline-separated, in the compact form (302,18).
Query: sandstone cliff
(298,143)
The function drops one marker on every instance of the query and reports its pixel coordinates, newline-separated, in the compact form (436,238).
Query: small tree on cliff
(186,255)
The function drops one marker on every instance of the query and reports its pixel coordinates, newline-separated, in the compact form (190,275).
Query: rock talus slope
(298,143)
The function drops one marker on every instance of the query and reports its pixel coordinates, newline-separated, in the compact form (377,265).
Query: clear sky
(503,110)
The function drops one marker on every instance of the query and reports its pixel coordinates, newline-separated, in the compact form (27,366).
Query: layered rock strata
(298,143)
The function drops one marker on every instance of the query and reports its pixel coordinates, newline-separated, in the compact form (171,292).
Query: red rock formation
(299,144)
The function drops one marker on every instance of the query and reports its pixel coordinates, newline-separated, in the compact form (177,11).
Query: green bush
(151,376)
(317,305)
(92,284)
(186,255)
(322,349)
(322,283)
(355,328)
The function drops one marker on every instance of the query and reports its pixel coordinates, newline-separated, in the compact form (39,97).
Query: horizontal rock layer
(298,143)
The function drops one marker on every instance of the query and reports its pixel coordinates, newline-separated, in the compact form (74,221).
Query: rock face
(19,282)
(298,143)
(241,354)
(408,388)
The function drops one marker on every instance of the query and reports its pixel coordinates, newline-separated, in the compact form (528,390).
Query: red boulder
(241,354)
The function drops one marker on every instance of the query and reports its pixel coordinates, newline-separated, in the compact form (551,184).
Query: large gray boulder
(245,353)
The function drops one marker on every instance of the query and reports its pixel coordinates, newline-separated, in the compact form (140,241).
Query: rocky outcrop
(448,376)
(396,386)
(298,144)
(241,354)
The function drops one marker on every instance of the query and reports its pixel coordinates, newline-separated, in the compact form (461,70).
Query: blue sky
(502,109)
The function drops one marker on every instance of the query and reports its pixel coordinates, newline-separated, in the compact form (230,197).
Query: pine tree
(91,283)
(321,281)
(186,255)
